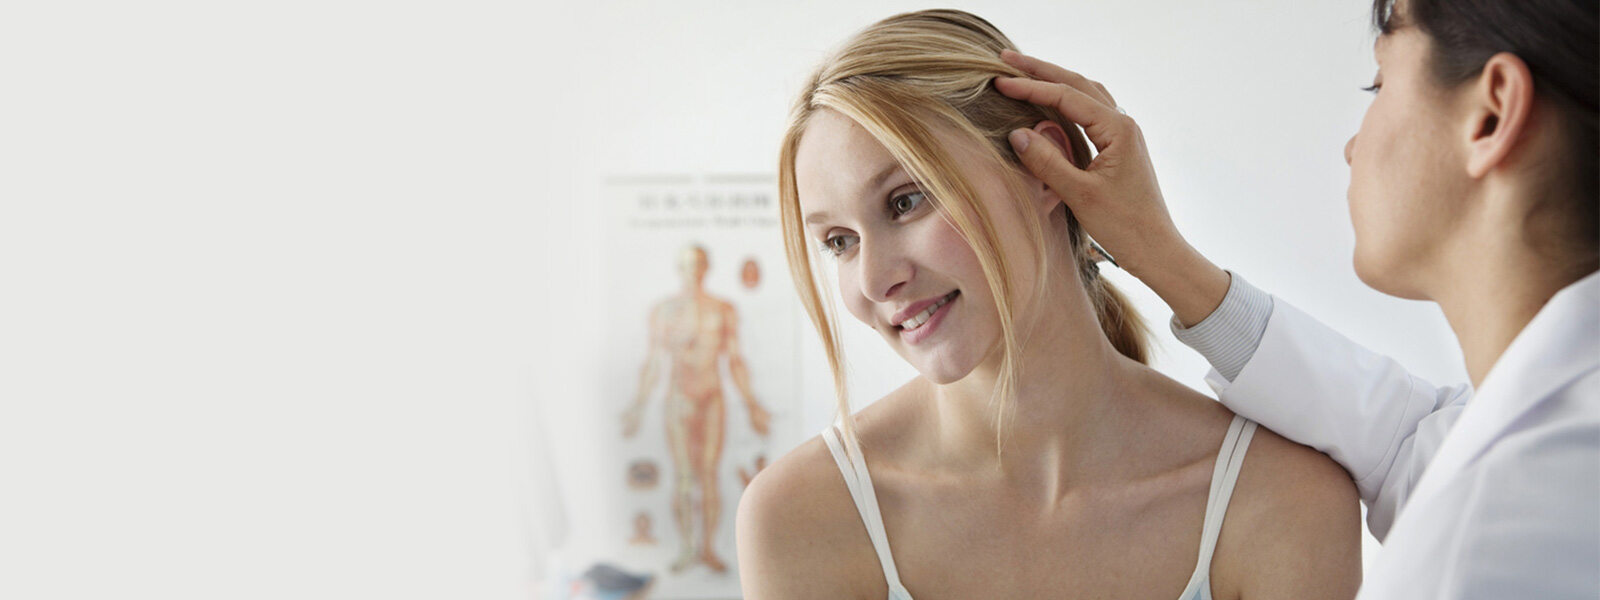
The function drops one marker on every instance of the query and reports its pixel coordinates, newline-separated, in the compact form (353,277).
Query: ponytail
(1118,319)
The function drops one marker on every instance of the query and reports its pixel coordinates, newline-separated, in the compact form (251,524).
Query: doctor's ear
(1502,101)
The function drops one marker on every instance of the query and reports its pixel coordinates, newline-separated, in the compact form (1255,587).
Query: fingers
(1046,161)
(1100,123)
(1041,69)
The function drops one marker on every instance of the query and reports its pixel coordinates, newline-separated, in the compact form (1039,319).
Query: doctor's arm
(1279,367)
(1273,364)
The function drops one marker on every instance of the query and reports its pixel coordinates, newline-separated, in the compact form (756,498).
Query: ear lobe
(1504,99)
(1053,132)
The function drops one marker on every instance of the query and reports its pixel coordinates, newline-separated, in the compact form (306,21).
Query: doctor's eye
(905,203)
(1377,84)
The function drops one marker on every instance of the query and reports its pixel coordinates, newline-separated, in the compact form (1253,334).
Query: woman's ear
(1049,199)
(1053,132)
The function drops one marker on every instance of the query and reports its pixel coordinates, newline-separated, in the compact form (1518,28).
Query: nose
(883,271)
(1348,147)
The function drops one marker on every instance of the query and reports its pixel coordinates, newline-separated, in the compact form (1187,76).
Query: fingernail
(1019,140)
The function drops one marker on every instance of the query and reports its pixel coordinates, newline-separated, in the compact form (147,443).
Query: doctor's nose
(883,273)
(1348,147)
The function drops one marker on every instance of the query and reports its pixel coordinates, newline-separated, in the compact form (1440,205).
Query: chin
(941,377)
(941,370)
(1385,276)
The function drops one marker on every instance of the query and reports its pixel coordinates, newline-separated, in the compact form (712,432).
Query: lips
(914,316)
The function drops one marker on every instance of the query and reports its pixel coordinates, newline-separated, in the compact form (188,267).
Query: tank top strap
(847,455)
(1223,477)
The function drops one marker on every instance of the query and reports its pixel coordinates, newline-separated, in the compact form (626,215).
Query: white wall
(266,312)
(1246,106)
(281,279)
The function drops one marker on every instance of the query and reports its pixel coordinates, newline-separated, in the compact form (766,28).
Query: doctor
(1473,185)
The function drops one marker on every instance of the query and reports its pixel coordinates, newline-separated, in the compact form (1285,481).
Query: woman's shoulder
(1279,475)
(798,530)
(808,481)
(1292,527)
(1293,523)
(794,487)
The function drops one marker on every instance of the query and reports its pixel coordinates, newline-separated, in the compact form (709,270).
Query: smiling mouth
(920,318)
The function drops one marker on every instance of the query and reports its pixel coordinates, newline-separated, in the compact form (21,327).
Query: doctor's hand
(1115,197)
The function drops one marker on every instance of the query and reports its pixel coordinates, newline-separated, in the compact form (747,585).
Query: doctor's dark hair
(1558,41)
(904,80)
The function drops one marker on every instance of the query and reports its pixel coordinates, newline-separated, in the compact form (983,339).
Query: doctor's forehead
(837,162)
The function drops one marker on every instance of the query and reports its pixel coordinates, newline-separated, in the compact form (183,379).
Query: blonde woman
(1036,455)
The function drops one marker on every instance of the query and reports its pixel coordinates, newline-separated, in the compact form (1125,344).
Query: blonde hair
(901,80)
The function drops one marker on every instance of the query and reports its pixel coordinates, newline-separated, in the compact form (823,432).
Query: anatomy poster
(701,370)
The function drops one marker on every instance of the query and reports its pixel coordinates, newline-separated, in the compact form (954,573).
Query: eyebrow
(872,184)
(817,217)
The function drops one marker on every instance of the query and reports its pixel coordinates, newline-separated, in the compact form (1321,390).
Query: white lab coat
(1487,495)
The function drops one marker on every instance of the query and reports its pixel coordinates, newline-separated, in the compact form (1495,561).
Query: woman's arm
(1294,375)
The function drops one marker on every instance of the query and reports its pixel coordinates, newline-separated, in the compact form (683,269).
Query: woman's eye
(838,244)
(905,203)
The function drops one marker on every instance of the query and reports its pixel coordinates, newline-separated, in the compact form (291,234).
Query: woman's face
(903,269)
(1406,168)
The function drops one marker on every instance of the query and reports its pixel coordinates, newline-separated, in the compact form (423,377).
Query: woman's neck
(1059,427)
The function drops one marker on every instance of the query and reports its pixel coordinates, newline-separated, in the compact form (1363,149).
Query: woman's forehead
(837,159)
(835,141)
(839,163)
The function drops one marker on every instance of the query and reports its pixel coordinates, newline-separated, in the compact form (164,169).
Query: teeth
(922,317)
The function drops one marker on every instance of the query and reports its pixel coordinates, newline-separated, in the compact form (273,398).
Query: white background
(290,292)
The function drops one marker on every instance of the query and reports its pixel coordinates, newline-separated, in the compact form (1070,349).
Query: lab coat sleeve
(1230,334)
(1312,385)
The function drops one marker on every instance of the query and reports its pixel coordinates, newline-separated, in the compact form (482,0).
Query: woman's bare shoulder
(1293,526)
(799,534)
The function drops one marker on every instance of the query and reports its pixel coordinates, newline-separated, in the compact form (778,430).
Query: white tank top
(1223,477)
